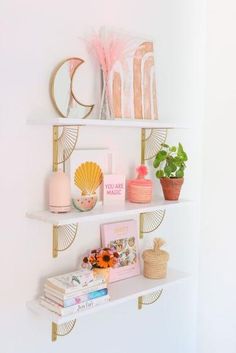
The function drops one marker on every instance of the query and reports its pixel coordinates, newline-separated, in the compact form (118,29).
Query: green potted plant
(170,165)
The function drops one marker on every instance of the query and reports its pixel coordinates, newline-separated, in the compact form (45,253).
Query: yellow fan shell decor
(88,177)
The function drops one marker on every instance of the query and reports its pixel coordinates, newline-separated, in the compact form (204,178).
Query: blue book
(77,299)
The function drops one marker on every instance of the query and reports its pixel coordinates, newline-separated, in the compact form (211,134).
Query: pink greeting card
(123,236)
(113,188)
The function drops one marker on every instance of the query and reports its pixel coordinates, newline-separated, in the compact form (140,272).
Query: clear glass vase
(105,108)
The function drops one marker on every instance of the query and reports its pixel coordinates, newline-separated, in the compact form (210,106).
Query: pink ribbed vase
(140,189)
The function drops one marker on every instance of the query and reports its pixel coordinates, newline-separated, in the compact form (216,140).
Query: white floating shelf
(100,212)
(132,123)
(120,292)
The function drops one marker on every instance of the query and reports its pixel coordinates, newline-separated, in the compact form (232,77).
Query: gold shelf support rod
(143,134)
(55,148)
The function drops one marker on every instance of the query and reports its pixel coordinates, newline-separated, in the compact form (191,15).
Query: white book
(78,299)
(73,281)
(50,290)
(58,309)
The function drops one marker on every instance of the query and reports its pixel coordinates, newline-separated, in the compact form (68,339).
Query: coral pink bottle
(59,192)
(140,189)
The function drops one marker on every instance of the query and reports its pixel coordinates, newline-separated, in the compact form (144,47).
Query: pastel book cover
(73,281)
(57,308)
(113,189)
(123,236)
(77,299)
(92,303)
(81,291)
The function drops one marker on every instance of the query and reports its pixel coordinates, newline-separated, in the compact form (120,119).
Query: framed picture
(123,237)
(132,82)
(103,157)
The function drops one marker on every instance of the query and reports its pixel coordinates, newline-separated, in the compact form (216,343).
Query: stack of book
(75,291)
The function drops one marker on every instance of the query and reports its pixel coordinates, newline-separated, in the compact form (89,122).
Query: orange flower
(105,259)
(92,259)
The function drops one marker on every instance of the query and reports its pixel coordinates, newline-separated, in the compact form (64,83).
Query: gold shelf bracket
(64,142)
(62,330)
(151,140)
(150,221)
(149,298)
(63,237)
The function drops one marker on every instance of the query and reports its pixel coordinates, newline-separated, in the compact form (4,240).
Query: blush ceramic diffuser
(140,189)
(59,193)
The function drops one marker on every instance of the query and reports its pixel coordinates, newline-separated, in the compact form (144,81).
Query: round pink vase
(59,193)
(140,190)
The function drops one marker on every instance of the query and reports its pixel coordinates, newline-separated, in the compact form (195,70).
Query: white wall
(35,36)
(217,321)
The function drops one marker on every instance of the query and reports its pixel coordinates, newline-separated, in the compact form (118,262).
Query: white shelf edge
(132,123)
(103,212)
(129,285)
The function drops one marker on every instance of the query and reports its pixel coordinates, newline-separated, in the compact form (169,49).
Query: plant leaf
(173,167)
(184,156)
(180,173)
(177,161)
(159,174)
(156,163)
(161,155)
(167,171)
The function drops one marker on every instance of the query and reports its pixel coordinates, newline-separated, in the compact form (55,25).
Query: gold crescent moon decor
(64,98)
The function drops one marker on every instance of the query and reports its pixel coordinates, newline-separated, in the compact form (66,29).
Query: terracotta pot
(104,272)
(171,187)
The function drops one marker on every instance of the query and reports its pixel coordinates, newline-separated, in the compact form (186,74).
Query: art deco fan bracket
(62,329)
(151,141)
(150,221)
(63,237)
(64,143)
(149,298)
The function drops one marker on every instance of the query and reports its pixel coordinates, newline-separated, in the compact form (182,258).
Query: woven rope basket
(155,261)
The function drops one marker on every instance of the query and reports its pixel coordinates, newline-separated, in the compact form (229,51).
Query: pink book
(123,236)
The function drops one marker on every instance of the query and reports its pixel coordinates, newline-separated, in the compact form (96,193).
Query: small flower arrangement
(101,258)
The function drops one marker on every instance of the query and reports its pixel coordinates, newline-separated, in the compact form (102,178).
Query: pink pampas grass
(108,47)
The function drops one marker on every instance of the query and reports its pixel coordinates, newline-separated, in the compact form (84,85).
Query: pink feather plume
(109,47)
